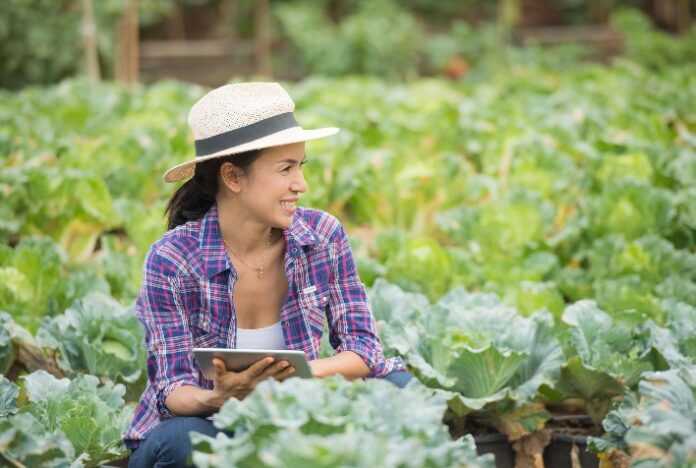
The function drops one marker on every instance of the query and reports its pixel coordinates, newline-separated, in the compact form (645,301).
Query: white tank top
(270,337)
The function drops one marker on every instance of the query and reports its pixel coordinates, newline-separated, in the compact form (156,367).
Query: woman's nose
(299,184)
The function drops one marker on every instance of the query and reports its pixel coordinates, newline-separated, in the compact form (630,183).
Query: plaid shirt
(186,302)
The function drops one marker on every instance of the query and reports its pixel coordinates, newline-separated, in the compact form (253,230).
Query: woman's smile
(289,205)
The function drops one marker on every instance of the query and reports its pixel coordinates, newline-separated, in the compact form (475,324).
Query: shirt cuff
(362,349)
(374,359)
(164,392)
(387,366)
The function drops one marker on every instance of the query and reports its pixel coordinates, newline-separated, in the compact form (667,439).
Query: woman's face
(274,183)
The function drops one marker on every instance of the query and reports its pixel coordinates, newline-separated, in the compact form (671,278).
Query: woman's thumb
(219,365)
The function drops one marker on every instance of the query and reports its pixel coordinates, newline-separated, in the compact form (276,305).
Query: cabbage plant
(681,320)
(77,422)
(658,428)
(486,359)
(606,355)
(333,422)
(638,274)
(97,335)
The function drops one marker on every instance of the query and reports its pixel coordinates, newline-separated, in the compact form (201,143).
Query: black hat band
(240,136)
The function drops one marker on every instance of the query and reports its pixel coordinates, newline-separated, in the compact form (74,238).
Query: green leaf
(24,441)
(480,373)
(92,416)
(42,387)
(8,397)
(580,380)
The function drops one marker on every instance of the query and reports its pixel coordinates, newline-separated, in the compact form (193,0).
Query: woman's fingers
(285,373)
(276,370)
(258,368)
(243,382)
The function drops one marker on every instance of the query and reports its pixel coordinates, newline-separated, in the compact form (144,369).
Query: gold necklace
(262,263)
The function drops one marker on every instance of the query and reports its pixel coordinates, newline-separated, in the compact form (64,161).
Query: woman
(242,266)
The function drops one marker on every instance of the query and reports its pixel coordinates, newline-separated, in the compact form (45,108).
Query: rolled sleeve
(161,307)
(352,325)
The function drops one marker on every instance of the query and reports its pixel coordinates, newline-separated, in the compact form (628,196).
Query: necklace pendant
(260,273)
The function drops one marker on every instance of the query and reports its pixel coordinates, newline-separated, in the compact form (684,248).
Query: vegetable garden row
(528,242)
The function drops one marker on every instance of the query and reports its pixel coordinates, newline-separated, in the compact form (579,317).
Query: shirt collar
(300,233)
(215,258)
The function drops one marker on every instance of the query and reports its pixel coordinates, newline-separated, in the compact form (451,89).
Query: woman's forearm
(188,400)
(347,363)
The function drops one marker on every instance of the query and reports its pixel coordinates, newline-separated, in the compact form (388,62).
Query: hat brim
(284,137)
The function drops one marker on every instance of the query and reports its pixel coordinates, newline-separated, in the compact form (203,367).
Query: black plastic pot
(558,452)
(498,445)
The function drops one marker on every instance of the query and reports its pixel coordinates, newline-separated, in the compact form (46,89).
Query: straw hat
(242,117)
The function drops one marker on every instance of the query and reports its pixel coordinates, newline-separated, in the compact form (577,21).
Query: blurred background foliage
(40,39)
(384,38)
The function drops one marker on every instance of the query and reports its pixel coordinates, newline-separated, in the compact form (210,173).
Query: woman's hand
(189,400)
(228,384)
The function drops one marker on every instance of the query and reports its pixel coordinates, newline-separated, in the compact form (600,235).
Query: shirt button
(324,299)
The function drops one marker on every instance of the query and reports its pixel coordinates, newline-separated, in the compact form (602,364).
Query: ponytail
(192,200)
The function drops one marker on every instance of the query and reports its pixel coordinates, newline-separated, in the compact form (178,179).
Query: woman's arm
(352,330)
(188,400)
(347,363)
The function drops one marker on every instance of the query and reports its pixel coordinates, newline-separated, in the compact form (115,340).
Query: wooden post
(262,38)
(666,13)
(683,16)
(599,10)
(508,13)
(508,16)
(228,14)
(175,23)
(127,50)
(89,41)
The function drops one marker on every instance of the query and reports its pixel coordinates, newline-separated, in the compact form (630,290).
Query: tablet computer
(237,360)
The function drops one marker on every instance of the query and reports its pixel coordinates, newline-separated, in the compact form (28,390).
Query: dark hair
(193,199)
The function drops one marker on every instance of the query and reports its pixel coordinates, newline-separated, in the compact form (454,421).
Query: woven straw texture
(235,106)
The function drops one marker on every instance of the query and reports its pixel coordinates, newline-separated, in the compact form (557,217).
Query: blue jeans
(169,445)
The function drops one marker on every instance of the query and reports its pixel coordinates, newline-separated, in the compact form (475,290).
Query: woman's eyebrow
(291,161)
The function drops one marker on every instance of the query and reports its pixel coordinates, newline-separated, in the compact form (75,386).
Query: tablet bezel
(237,360)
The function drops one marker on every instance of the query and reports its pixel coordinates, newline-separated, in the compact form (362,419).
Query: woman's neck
(246,235)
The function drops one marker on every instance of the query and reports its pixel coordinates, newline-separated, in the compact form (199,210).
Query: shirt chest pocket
(211,317)
(207,332)
(313,301)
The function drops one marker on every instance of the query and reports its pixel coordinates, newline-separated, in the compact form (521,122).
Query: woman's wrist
(208,400)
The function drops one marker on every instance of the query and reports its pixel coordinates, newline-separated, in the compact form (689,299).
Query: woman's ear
(231,176)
